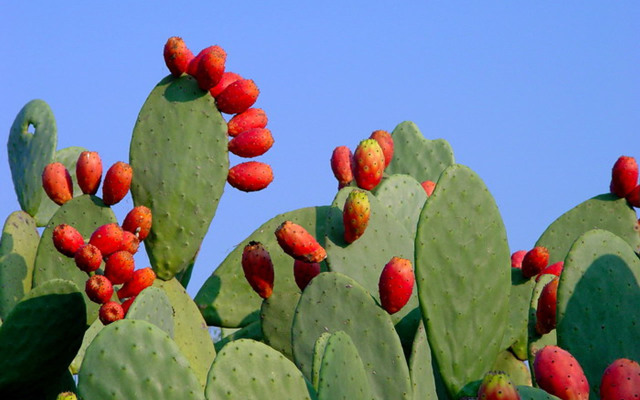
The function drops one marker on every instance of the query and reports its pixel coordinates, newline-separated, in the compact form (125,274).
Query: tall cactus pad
(133,359)
(40,337)
(152,305)
(334,302)
(180,163)
(420,365)
(226,299)
(85,213)
(463,276)
(536,341)
(89,335)
(605,211)
(598,302)
(276,316)
(417,156)
(30,153)
(265,374)
(404,197)
(318,353)
(18,248)
(342,375)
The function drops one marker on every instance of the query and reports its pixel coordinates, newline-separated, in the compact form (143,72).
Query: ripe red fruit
(396,284)
(88,258)
(553,269)
(252,143)
(304,272)
(130,242)
(110,312)
(621,380)
(119,267)
(138,221)
(250,119)
(56,182)
(177,56)
(107,238)
(116,183)
(99,289)
(496,385)
(385,141)
(237,97)
(141,279)
(127,304)
(429,187)
(368,164)
(250,176)
(211,67)
(67,240)
(557,372)
(227,79)
(624,176)
(355,215)
(258,268)
(298,243)
(89,171)
(546,311)
(516,258)
(633,197)
(535,261)
(341,165)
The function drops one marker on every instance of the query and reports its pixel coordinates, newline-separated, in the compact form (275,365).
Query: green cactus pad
(89,335)
(18,248)
(134,359)
(342,375)
(463,276)
(191,331)
(334,302)
(598,302)
(605,211)
(517,370)
(519,300)
(226,298)
(68,157)
(40,337)
(318,353)
(180,161)
(152,305)
(404,197)
(252,331)
(29,152)
(85,213)
(417,156)
(421,368)
(276,316)
(250,370)
(532,393)
(536,342)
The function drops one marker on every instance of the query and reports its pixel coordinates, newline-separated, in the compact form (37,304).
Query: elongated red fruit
(88,258)
(252,143)
(258,268)
(250,119)
(496,385)
(107,238)
(227,79)
(237,97)
(368,164)
(304,272)
(177,56)
(546,311)
(250,176)
(89,172)
(385,141)
(396,284)
(553,269)
(127,304)
(119,267)
(211,67)
(633,197)
(516,258)
(116,183)
(99,289)
(298,243)
(138,221)
(429,187)
(535,261)
(56,182)
(624,176)
(110,312)
(67,240)
(141,279)
(621,380)
(557,372)
(342,165)
(355,215)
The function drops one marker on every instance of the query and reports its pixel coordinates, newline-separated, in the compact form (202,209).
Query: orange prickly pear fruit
(237,97)
(396,284)
(546,311)
(252,143)
(56,182)
(429,187)
(99,289)
(250,176)
(88,258)
(141,279)
(138,221)
(496,385)
(116,183)
(227,79)
(368,164)
(107,238)
(298,243)
(342,165)
(177,56)
(211,67)
(355,215)
(110,312)
(386,143)
(258,268)
(535,261)
(67,240)
(558,373)
(304,272)
(250,119)
(89,171)
(624,176)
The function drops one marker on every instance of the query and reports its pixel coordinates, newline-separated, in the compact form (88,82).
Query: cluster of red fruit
(624,180)
(233,95)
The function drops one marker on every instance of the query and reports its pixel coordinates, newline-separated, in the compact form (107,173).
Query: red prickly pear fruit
(553,269)
(557,372)
(546,311)
(516,258)
(624,176)
(141,279)
(496,385)
(116,183)
(89,171)
(130,242)
(621,380)
(237,97)
(110,312)
(56,182)
(258,268)
(88,258)
(99,289)
(355,215)
(127,304)
(633,197)
(119,267)
(107,238)
(342,164)
(368,164)
(192,68)
(429,187)
(298,243)
(252,143)
(211,67)
(535,261)
(304,272)
(396,284)
(250,119)
(138,221)
(250,176)
(177,56)
(385,141)
(67,240)
(227,79)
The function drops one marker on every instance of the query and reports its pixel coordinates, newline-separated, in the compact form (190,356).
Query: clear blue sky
(539,98)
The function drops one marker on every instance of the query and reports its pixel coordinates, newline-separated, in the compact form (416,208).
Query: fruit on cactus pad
(237,97)
(99,289)
(557,372)
(67,396)
(116,184)
(516,258)
(368,164)
(177,56)
(553,269)
(251,143)
(89,172)
(535,261)
(341,165)
(355,215)
(119,267)
(386,144)
(211,67)
(621,380)
(396,284)
(496,385)
(107,238)
(141,279)
(429,187)
(250,176)
(67,240)
(258,268)
(127,303)
(138,221)
(298,243)
(56,182)
(88,258)
(109,312)
(250,119)
(633,197)
(227,79)
(130,242)
(546,311)
(304,272)
(624,176)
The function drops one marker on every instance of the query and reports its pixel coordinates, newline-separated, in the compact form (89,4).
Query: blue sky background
(539,99)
